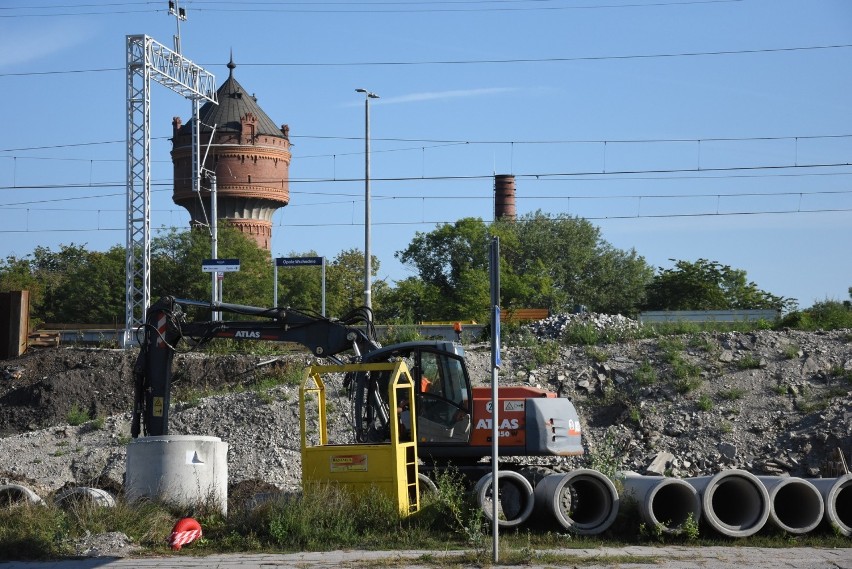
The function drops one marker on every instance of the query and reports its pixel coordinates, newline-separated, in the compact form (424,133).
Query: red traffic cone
(185,531)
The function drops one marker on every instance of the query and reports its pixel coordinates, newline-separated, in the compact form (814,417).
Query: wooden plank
(523,314)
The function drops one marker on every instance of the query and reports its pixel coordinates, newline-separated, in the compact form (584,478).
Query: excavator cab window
(441,393)
(442,398)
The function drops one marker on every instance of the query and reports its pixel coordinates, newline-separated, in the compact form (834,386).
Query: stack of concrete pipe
(583,501)
(734,502)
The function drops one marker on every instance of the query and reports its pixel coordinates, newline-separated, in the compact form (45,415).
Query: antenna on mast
(180,16)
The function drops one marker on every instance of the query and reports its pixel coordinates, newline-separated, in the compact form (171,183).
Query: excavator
(453,417)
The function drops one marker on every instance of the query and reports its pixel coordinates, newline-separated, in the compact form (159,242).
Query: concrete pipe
(795,505)
(84,495)
(515,498)
(584,501)
(14,494)
(663,502)
(185,470)
(837,496)
(427,486)
(733,502)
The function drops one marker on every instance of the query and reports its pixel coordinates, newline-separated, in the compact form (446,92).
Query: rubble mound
(770,402)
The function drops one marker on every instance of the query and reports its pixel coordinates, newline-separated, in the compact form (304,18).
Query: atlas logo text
(247,334)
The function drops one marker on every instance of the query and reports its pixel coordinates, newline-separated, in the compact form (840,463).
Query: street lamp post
(367,260)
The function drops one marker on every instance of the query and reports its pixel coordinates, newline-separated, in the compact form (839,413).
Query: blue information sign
(298,261)
(220,265)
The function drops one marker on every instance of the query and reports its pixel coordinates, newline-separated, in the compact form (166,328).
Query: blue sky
(684,129)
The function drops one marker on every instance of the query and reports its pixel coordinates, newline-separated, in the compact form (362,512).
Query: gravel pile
(555,326)
(768,402)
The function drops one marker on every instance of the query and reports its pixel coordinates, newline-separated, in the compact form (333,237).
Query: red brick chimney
(504,197)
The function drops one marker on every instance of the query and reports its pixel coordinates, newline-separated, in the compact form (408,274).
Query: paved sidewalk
(639,557)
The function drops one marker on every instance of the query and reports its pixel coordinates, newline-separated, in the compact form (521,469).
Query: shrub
(77,415)
(791,351)
(397,334)
(732,394)
(545,353)
(645,374)
(825,315)
(582,333)
(327,515)
(704,402)
(748,362)
(597,354)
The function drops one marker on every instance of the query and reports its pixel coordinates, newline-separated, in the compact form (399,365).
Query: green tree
(176,259)
(345,283)
(93,290)
(409,301)
(546,262)
(567,263)
(708,285)
(453,259)
(301,287)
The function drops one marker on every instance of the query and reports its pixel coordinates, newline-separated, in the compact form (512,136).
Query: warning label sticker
(349,463)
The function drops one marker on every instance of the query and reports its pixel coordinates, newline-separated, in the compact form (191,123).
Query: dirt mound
(42,387)
(45,387)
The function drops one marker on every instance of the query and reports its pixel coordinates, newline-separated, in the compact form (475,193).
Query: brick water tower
(250,156)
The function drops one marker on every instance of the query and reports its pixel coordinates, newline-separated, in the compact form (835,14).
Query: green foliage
(748,361)
(396,334)
(635,414)
(683,384)
(32,532)
(708,285)
(689,528)
(547,261)
(645,374)
(732,394)
(567,263)
(596,354)
(671,347)
(838,371)
(452,260)
(345,283)
(825,315)
(70,285)
(289,374)
(791,351)
(328,515)
(582,333)
(48,531)
(607,456)
(702,342)
(96,424)
(453,509)
(704,402)
(176,259)
(77,415)
(545,353)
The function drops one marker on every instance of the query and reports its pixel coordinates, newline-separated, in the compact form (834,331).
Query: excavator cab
(442,393)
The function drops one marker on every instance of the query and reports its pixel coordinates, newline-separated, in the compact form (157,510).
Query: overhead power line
(450,222)
(448,142)
(383,7)
(563,176)
(473,61)
(456,197)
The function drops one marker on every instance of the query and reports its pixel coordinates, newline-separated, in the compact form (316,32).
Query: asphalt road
(639,557)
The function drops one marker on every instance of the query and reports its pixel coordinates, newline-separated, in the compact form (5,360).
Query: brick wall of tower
(252,174)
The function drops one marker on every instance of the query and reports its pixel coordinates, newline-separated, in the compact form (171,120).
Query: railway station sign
(220,265)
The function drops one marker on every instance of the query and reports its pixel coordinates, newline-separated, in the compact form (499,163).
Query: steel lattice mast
(147,60)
